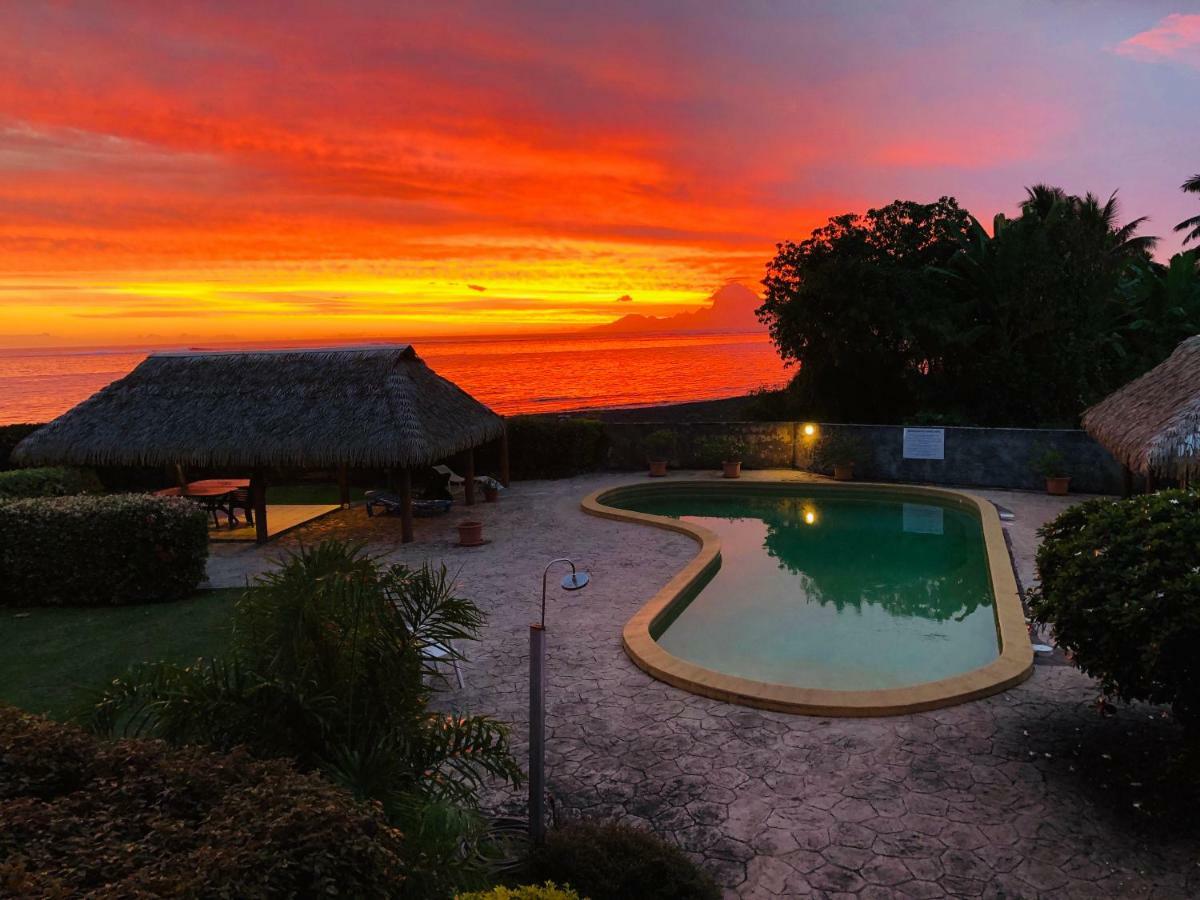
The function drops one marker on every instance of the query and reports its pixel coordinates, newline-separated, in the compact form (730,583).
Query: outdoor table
(213,494)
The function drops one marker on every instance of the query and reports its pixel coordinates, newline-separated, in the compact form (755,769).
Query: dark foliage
(100,550)
(138,819)
(916,313)
(608,861)
(860,306)
(330,668)
(10,436)
(54,481)
(1120,583)
(549,447)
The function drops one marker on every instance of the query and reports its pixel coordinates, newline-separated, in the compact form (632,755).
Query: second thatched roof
(358,406)
(1152,425)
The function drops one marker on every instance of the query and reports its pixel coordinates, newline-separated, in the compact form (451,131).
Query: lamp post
(537,703)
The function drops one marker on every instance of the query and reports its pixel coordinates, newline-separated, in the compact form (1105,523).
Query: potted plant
(1052,466)
(660,445)
(470,533)
(840,451)
(728,450)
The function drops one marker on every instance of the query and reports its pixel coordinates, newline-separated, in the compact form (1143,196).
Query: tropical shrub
(1050,463)
(838,448)
(722,448)
(330,666)
(100,550)
(610,861)
(52,481)
(549,447)
(660,444)
(547,891)
(138,818)
(1120,583)
(10,436)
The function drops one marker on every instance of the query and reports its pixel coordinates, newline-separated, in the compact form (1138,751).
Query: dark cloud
(624,298)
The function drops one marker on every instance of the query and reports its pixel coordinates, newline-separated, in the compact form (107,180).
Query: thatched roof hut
(1152,425)
(375,406)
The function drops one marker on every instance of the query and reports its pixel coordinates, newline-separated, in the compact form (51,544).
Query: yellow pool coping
(1013,665)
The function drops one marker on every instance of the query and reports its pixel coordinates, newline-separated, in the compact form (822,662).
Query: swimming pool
(831,599)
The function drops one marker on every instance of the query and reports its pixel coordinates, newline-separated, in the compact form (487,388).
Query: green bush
(1120,583)
(330,667)
(48,482)
(660,444)
(609,861)
(100,550)
(545,447)
(722,448)
(10,436)
(547,891)
(137,819)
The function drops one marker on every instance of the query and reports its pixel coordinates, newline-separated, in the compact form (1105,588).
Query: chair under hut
(342,408)
(1152,425)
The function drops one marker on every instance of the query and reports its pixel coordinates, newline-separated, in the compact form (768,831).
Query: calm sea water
(542,374)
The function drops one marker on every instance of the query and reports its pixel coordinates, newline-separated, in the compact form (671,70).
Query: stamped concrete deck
(976,800)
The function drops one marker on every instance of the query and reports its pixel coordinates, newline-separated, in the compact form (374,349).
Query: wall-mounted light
(810,429)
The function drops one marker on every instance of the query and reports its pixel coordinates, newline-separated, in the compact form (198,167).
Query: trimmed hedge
(546,447)
(10,436)
(100,550)
(1120,583)
(610,861)
(136,819)
(52,481)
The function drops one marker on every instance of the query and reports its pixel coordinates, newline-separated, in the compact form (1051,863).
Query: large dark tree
(1039,311)
(860,308)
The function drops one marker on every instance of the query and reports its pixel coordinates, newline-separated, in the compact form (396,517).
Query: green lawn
(49,656)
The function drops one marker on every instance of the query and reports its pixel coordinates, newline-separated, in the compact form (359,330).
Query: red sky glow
(234,170)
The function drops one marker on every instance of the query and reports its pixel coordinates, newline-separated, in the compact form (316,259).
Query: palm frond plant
(1191,224)
(330,666)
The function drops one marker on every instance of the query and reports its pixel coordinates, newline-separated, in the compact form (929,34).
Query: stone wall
(983,457)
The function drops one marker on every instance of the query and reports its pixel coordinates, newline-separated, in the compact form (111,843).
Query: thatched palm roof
(360,406)
(1152,425)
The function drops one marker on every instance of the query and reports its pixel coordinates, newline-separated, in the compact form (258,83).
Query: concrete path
(980,799)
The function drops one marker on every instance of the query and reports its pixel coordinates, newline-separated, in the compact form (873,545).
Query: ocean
(512,375)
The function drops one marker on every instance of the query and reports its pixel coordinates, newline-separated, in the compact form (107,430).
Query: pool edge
(1013,665)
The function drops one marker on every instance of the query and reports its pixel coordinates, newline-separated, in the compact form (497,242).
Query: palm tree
(1191,186)
(329,665)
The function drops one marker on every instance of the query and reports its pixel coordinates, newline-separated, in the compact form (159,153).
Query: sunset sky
(234,170)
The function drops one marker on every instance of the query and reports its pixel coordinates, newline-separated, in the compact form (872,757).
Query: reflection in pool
(849,591)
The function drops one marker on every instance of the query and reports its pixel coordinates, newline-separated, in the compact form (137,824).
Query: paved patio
(981,799)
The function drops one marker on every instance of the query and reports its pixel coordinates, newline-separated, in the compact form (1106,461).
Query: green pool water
(841,591)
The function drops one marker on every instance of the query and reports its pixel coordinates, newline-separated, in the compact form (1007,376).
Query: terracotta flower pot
(843,472)
(470,533)
(658,468)
(490,495)
(731,469)
(1058,485)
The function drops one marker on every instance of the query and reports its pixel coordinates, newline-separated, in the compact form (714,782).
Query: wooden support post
(258,494)
(1151,482)
(180,478)
(504,455)
(406,509)
(1126,481)
(344,485)
(469,478)
(391,480)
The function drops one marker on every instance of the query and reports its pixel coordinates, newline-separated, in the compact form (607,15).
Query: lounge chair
(452,477)
(394,503)
(439,653)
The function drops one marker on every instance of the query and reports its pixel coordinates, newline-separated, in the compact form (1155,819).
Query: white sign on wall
(924,443)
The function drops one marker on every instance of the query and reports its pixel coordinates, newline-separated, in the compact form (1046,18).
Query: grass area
(52,656)
(286,494)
